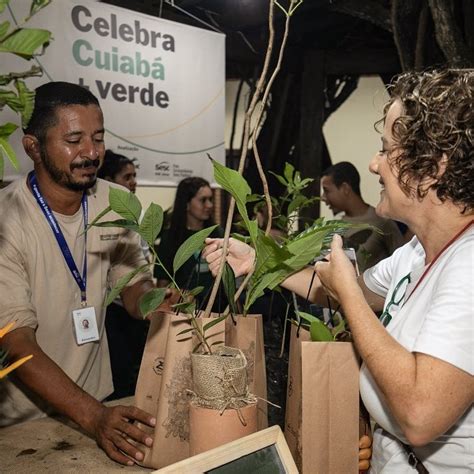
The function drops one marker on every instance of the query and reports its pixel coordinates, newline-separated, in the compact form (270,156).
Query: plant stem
(192,318)
(243,156)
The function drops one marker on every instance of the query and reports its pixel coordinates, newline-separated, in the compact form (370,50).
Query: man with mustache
(53,276)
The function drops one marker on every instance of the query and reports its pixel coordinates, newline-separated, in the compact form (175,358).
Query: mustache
(87,163)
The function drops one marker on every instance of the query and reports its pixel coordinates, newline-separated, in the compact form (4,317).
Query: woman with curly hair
(418,358)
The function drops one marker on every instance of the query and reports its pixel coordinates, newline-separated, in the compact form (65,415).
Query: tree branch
(368,10)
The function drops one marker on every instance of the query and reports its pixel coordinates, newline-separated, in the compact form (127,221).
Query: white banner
(159,83)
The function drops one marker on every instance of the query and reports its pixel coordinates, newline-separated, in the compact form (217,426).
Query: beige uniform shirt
(370,246)
(37,289)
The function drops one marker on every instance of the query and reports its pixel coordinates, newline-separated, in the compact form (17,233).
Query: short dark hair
(113,164)
(51,96)
(344,172)
(436,122)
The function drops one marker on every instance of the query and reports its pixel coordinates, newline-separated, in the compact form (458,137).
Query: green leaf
(319,332)
(280,179)
(125,203)
(236,185)
(213,322)
(8,97)
(288,171)
(3,5)
(296,203)
(269,254)
(27,99)
(190,246)
(7,129)
(4,26)
(37,5)
(306,316)
(151,300)
(122,223)
(99,216)
(185,307)
(255,198)
(228,280)
(195,291)
(341,326)
(122,283)
(25,41)
(151,223)
(7,152)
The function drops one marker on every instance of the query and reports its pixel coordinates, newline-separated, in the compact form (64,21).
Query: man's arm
(110,426)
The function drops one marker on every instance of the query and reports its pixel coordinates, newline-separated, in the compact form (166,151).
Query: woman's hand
(365,453)
(337,275)
(240,256)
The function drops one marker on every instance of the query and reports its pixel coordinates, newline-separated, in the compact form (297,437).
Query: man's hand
(115,431)
(240,256)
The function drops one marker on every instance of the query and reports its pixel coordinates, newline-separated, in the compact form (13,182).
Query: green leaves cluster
(274,261)
(320,331)
(287,206)
(23,42)
(129,209)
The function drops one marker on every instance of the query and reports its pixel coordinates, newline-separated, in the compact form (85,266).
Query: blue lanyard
(80,280)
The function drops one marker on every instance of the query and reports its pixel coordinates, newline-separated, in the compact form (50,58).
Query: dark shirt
(195,272)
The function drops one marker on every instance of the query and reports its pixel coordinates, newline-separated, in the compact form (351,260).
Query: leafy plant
(129,208)
(5,368)
(23,42)
(324,332)
(287,206)
(276,261)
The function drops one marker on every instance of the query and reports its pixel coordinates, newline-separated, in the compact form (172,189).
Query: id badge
(85,325)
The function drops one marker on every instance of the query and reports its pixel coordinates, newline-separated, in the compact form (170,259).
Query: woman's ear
(32,147)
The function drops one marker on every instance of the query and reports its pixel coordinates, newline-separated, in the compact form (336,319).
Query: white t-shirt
(436,320)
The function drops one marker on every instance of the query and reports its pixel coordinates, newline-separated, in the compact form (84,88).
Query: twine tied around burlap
(220,380)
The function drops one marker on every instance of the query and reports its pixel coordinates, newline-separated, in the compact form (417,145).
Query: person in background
(341,192)
(192,211)
(119,169)
(126,336)
(417,376)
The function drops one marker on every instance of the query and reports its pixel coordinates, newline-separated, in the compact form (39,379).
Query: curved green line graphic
(164,152)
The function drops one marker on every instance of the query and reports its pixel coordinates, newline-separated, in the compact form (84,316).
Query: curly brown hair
(435,130)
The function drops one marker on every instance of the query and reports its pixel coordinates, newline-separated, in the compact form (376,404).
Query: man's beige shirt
(37,289)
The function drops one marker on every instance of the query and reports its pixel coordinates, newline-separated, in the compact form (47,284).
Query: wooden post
(311,127)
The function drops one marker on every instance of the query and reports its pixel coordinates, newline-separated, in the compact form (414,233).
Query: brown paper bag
(163,381)
(165,378)
(247,335)
(322,408)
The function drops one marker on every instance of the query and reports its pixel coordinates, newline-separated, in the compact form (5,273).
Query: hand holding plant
(240,256)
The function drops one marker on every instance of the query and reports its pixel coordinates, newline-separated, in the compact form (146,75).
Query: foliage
(5,368)
(287,207)
(335,330)
(23,42)
(129,209)
(276,261)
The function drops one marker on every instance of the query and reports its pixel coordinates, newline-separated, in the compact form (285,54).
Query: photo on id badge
(85,325)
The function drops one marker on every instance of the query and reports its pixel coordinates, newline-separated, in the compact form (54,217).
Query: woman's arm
(241,258)
(425,394)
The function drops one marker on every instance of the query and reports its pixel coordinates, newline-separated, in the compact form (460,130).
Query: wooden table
(54,445)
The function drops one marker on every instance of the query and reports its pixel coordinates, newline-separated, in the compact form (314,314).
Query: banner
(160,84)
